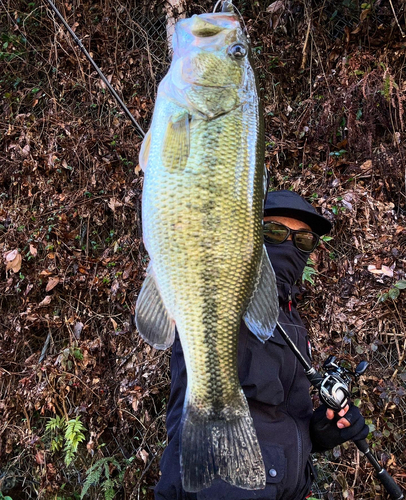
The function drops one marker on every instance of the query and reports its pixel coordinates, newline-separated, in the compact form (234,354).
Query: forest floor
(82,398)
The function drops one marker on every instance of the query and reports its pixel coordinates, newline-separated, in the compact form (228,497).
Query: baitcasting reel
(334,387)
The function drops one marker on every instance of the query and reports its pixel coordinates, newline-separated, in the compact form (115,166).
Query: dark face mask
(287,260)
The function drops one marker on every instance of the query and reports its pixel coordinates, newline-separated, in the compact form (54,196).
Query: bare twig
(304,52)
(396,19)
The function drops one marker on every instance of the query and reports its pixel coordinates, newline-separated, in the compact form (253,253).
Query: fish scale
(202,210)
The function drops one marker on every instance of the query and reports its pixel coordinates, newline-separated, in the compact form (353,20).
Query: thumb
(329,414)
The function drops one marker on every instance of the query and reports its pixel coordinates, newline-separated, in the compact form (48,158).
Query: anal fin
(263,309)
(151,316)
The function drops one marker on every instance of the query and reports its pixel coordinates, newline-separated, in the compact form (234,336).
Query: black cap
(289,204)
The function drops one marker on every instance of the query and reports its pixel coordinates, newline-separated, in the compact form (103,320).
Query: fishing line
(217,4)
(243,22)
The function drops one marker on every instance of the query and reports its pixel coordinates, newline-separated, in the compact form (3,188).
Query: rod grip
(394,490)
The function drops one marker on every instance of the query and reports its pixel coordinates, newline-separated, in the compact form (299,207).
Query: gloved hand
(325,434)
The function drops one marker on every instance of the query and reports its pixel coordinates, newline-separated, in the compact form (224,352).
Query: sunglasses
(276,233)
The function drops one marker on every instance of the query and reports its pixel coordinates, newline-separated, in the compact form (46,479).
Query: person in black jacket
(273,381)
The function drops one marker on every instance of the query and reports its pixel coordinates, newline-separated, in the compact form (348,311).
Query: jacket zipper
(299,437)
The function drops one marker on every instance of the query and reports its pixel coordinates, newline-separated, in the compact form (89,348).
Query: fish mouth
(212,86)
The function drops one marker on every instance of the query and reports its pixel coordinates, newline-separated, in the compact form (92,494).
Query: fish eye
(237,50)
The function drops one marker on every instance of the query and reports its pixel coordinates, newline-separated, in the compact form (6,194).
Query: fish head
(210,63)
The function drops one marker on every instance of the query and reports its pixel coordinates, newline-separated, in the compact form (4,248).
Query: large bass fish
(202,220)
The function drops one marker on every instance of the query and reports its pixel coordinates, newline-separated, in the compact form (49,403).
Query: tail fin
(221,445)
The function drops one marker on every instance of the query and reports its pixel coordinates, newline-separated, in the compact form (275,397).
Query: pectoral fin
(263,309)
(176,147)
(144,151)
(151,317)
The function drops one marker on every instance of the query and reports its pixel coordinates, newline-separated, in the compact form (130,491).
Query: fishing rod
(89,58)
(333,389)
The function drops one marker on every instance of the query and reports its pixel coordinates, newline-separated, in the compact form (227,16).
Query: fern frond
(57,443)
(73,436)
(94,474)
(109,491)
(55,424)
(92,479)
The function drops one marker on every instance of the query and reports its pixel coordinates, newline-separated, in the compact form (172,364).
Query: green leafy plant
(388,85)
(100,474)
(73,436)
(309,272)
(65,434)
(393,292)
(67,354)
(10,48)
(326,238)
(4,497)
(54,427)
(338,154)
(77,353)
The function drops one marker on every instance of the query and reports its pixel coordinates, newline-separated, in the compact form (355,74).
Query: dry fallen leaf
(127,271)
(364,14)
(77,329)
(40,457)
(276,10)
(143,455)
(11,255)
(367,165)
(385,270)
(45,272)
(135,403)
(114,203)
(52,283)
(46,301)
(276,6)
(33,250)
(13,260)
